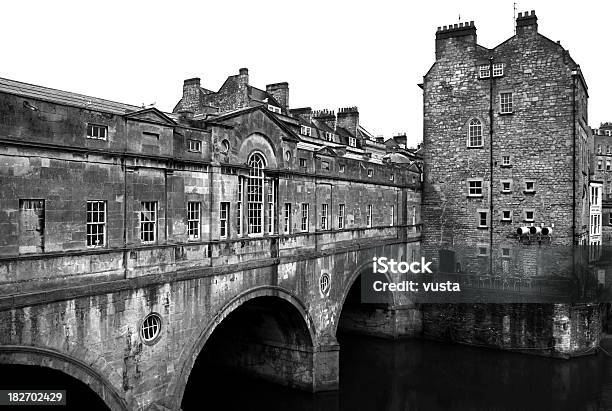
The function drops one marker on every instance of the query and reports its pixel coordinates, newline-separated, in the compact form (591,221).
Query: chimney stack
(326,116)
(526,23)
(348,118)
(280,92)
(305,113)
(243,75)
(192,96)
(446,35)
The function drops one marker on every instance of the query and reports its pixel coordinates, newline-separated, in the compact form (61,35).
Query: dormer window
(96,131)
(306,131)
(484,72)
(498,69)
(274,109)
(329,136)
(352,141)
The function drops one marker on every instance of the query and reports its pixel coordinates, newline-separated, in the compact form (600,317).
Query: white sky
(370,54)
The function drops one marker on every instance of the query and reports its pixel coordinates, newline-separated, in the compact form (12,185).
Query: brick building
(235,174)
(507,190)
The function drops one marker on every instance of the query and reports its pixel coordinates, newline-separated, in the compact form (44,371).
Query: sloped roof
(64,97)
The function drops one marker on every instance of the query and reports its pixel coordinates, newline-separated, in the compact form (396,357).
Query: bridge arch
(176,390)
(75,368)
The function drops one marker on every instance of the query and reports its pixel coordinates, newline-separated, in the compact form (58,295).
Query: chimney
(401,139)
(526,23)
(463,32)
(243,75)
(326,116)
(305,113)
(280,92)
(348,118)
(192,96)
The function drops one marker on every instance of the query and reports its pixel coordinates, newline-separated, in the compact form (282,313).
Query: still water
(424,375)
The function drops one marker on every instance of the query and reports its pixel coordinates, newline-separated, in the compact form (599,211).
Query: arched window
(475,133)
(255,199)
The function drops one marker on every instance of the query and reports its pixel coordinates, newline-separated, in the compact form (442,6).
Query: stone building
(602,168)
(506,189)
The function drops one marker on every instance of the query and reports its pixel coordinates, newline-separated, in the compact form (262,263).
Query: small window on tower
(498,69)
(483,71)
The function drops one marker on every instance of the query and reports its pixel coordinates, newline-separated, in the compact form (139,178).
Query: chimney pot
(243,71)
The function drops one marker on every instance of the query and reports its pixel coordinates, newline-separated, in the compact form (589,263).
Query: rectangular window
(414,219)
(305,216)
(194,145)
(529,186)
(505,160)
(505,252)
(506,186)
(484,71)
(392,177)
(193,220)
(483,251)
(274,109)
(608,165)
(96,131)
(498,69)
(392,215)
(239,206)
(302,162)
(599,149)
(475,133)
(324,216)
(506,215)
(369,216)
(148,222)
(594,195)
(287,225)
(505,103)
(341,168)
(482,219)
(325,165)
(31,226)
(599,165)
(352,141)
(341,212)
(474,188)
(370,172)
(329,136)
(529,215)
(271,209)
(224,211)
(306,131)
(96,223)
(150,135)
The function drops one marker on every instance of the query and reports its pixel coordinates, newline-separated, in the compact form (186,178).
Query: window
(193,220)
(505,252)
(413,215)
(150,135)
(150,328)
(305,216)
(506,215)
(475,133)
(505,161)
(329,136)
(341,212)
(96,132)
(274,109)
(305,130)
(96,223)
(506,186)
(608,165)
(505,103)
(271,204)
(482,219)
(239,206)
(148,221)
(325,165)
(392,215)
(498,69)
(224,211)
(369,216)
(370,172)
(255,194)
(392,177)
(194,145)
(595,195)
(484,71)
(529,186)
(324,216)
(599,149)
(287,224)
(302,162)
(529,215)
(474,188)
(341,168)
(599,165)
(483,251)
(608,150)
(31,226)
(352,141)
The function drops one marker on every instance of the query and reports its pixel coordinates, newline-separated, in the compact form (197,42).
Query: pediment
(151,114)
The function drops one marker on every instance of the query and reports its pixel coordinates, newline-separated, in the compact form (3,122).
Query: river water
(424,375)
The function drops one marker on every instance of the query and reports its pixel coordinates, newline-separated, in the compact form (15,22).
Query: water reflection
(425,375)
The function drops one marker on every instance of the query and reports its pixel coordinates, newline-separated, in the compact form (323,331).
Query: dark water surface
(423,375)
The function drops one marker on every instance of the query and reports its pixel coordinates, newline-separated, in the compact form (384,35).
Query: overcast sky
(370,54)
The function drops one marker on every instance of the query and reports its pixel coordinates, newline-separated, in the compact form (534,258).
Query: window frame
(484,71)
(503,217)
(224,218)
(306,130)
(469,188)
(287,218)
(352,141)
(506,107)
(98,224)
(324,216)
(498,69)
(255,192)
(194,146)
(475,133)
(503,182)
(145,208)
(526,219)
(480,213)
(369,216)
(98,127)
(305,217)
(194,220)
(527,190)
(341,216)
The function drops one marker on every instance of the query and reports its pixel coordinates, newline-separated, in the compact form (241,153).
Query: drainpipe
(491,165)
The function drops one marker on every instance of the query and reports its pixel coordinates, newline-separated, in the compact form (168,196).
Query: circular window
(287,155)
(225,146)
(150,328)
(324,284)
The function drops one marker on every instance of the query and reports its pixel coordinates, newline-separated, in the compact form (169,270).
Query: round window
(150,328)
(287,155)
(225,146)
(324,284)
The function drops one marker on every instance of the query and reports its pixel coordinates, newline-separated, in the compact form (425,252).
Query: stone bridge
(275,318)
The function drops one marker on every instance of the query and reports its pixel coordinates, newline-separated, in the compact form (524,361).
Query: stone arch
(176,390)
(258,142)
(43,357)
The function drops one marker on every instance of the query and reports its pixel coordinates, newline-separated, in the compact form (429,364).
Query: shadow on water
(421,375)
